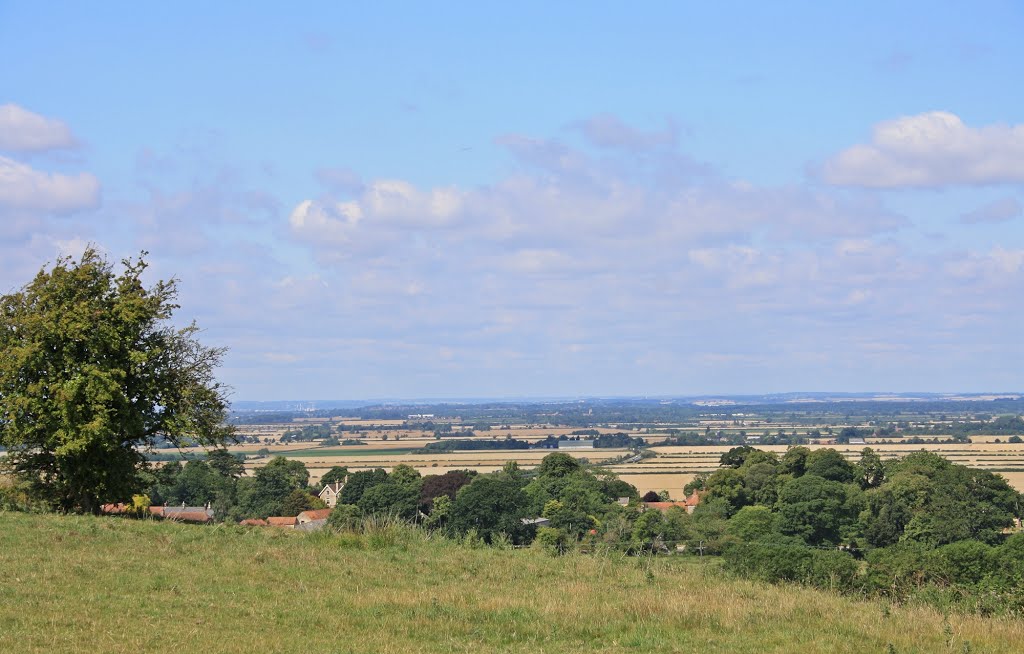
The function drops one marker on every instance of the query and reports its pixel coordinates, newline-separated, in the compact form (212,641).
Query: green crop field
(84,584)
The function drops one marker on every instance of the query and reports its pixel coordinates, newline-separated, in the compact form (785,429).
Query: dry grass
(108,585)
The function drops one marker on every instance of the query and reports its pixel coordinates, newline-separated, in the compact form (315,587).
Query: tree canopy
(92,372)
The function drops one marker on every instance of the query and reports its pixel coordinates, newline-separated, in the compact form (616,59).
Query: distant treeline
(612,441)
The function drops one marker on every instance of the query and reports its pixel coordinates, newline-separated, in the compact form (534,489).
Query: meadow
(111,585)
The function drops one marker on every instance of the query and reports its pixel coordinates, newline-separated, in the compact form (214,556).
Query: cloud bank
(929,150)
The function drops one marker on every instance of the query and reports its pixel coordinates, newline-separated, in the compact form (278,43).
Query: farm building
(311,516)
(576,445)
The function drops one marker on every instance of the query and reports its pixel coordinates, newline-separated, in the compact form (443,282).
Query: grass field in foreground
(83,584)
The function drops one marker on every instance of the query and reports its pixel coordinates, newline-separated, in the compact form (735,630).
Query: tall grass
(83,584)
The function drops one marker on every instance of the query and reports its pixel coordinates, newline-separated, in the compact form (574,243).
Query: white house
(331,493)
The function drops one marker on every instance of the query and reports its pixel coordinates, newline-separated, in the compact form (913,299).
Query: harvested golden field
(673,482)
(670,469)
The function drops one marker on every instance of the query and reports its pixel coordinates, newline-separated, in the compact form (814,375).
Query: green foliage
(728,484)
(491,504)
(335,475)
(344,517)
(359,482)
(794,461)
(753,523)
(779,562)
(225,463)
(735,457)
(440,512)
(815,509)
(299,500)
(265,493)
(398,494)
(829,464)
(551,540)
(91,371)
(869,471)
(558,465)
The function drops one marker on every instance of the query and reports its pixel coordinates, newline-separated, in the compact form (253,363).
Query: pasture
(117,586)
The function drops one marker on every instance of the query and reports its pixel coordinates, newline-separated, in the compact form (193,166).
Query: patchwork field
(388,443)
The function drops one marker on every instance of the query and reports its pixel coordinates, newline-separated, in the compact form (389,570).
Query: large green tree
(92,372)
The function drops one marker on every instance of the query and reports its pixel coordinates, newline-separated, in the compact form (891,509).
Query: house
(331,493)
(576,445)
(312,516)
(282,521)
(692,501)
(536,522)
(253,522)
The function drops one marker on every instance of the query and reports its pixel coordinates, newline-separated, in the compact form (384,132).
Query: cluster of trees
(574,499)
(884,527)
(490,444)
(281,487)
(307,433)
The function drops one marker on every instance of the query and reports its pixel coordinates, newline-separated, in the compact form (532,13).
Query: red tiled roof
(281,521)
(315,514)
(254,522)
(664,506)
(115,509)
(693,499)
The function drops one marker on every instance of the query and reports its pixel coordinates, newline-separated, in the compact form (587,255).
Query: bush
(781,561)
(769,561)
(833,570)
(965,562)
(551,540)
(344,517)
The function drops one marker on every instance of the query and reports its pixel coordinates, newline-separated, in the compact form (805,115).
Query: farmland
(890,428)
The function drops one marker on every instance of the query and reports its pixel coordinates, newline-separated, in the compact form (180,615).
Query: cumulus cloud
(998,211)
(932,149)
(24,131)
(25,188)
(384,212)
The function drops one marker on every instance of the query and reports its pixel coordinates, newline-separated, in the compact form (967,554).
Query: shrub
(551,540)
(344,517)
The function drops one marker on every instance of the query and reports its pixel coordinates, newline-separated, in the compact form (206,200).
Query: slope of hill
(83,584)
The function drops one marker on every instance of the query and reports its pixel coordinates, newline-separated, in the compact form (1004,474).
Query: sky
(411,200)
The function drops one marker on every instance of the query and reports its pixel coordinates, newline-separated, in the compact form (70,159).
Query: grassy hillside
(82,584)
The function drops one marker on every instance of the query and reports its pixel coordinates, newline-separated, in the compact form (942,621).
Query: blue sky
(411,200)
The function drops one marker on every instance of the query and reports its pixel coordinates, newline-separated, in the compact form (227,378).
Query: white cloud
(24,131)
(998,211)
(932,149)
(24,188)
